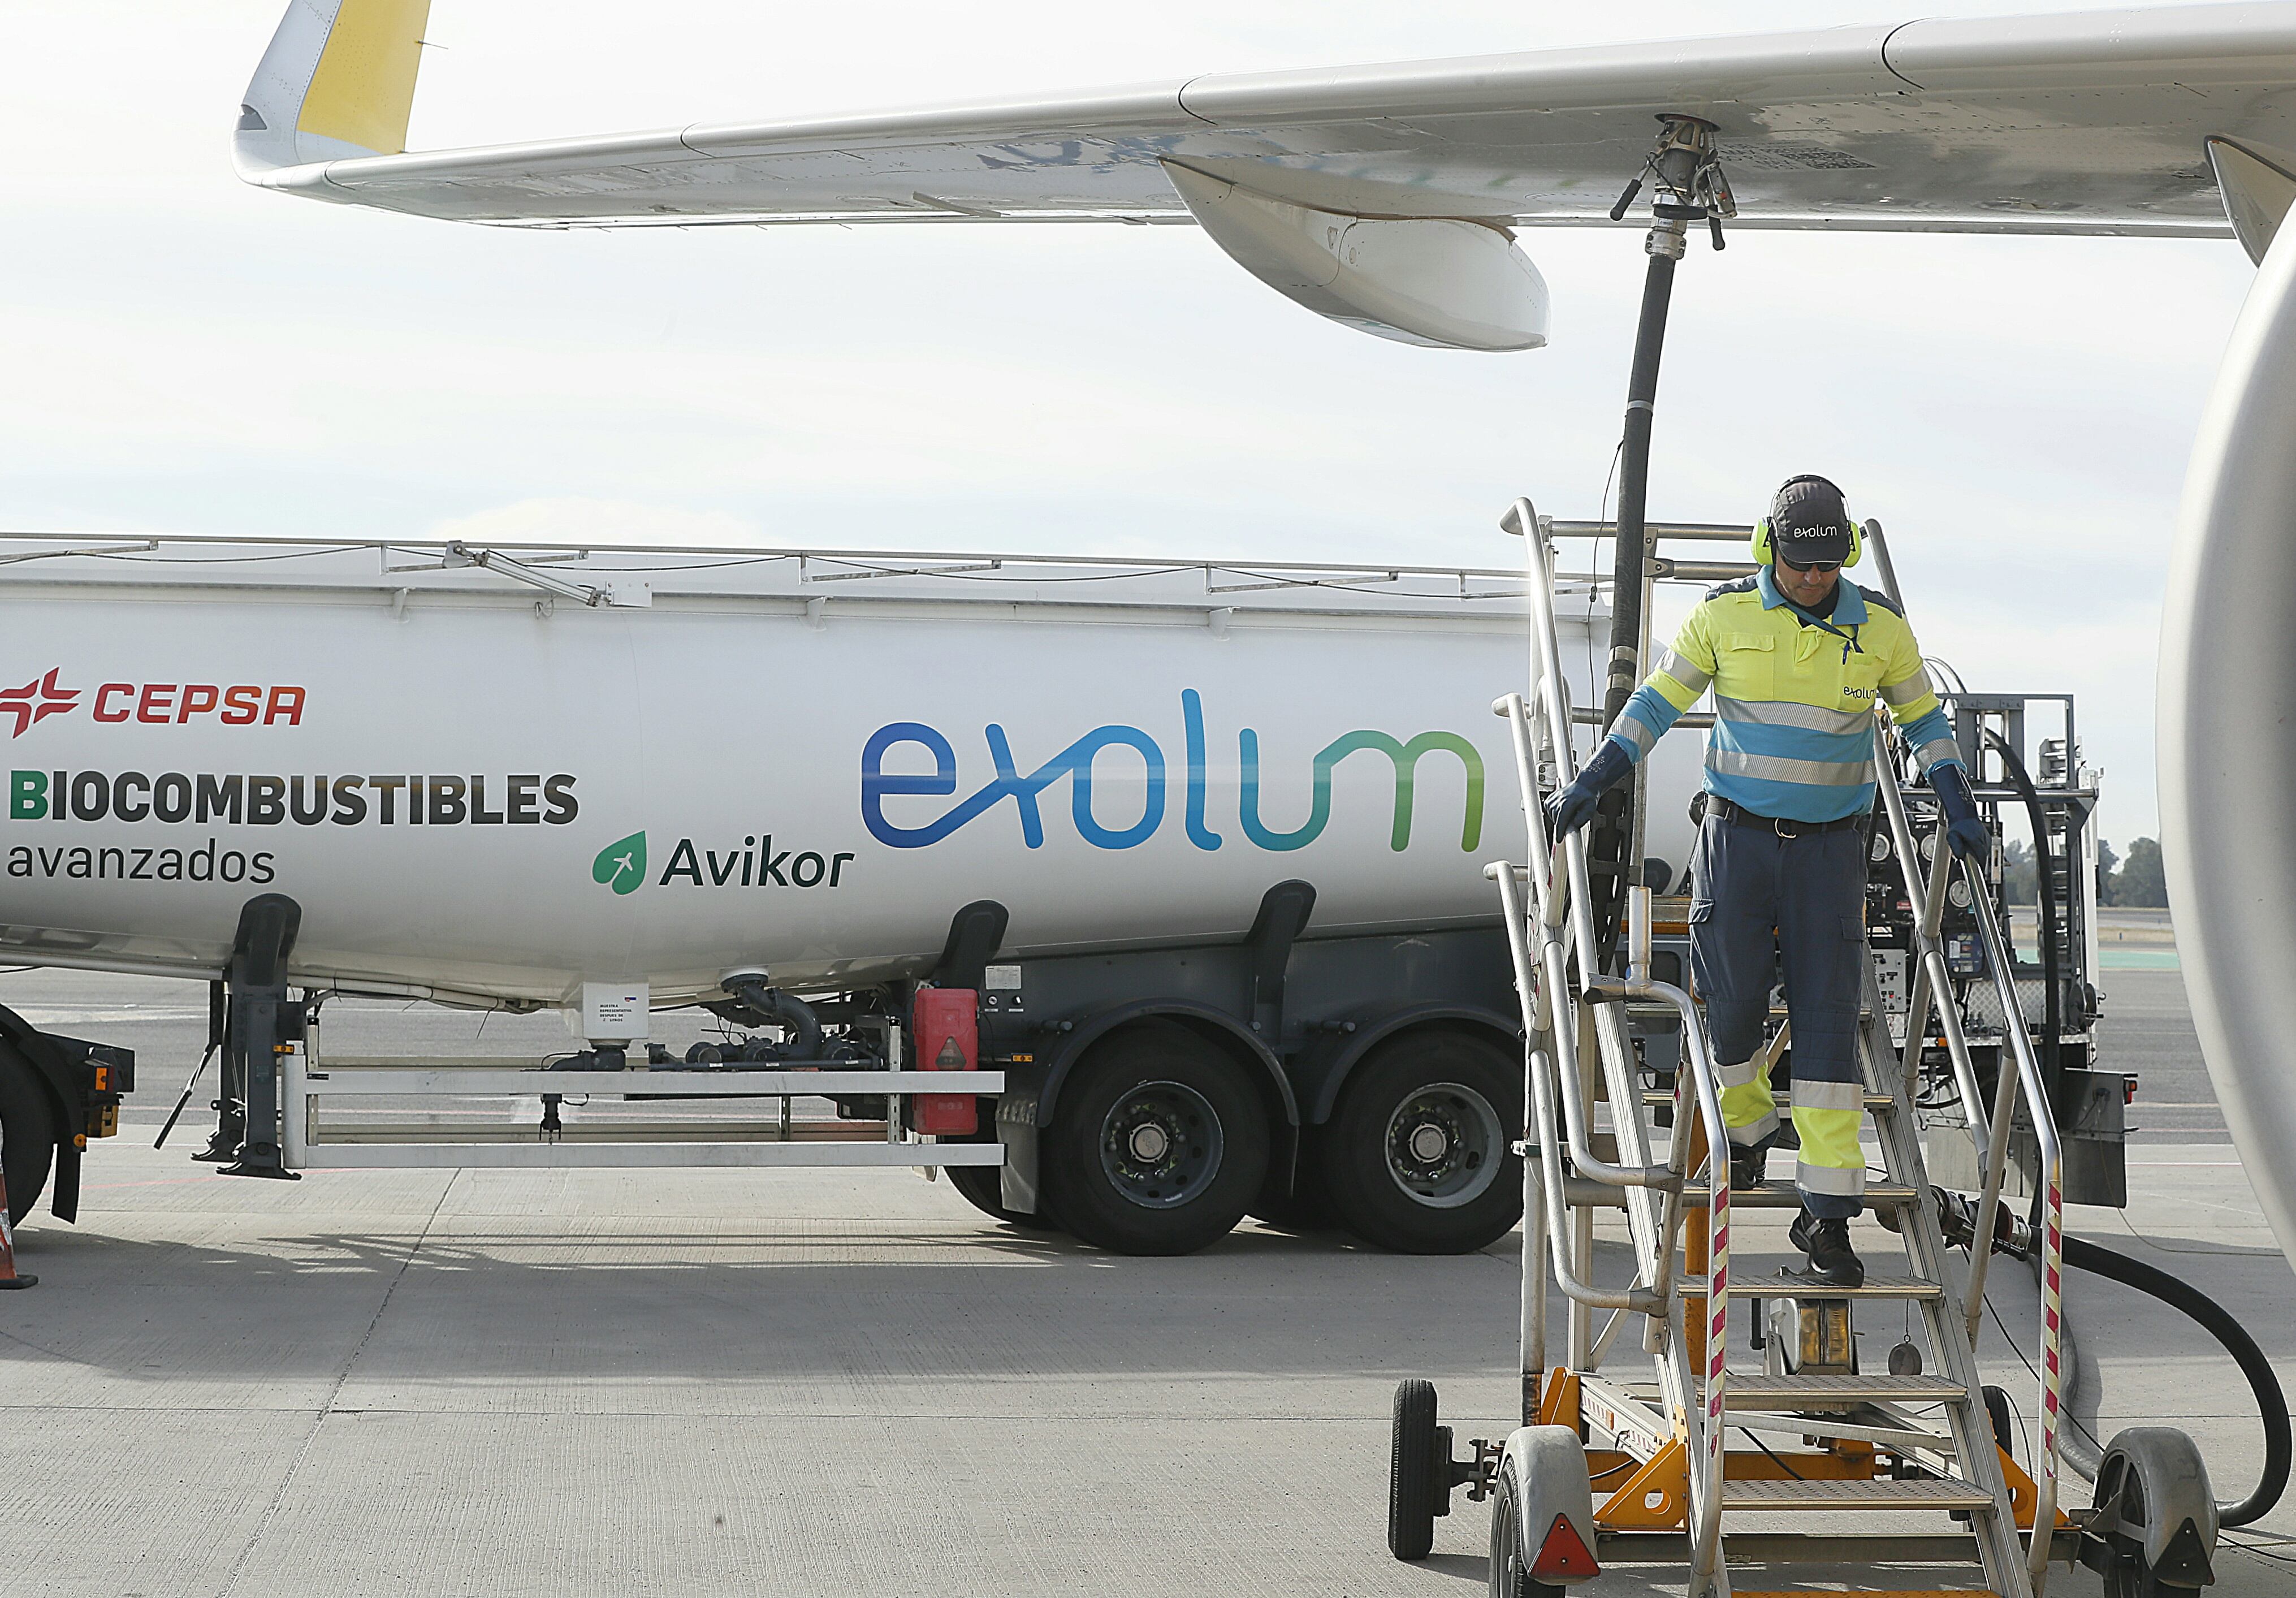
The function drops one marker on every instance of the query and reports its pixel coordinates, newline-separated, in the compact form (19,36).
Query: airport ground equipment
(1827,1433)
(1391,210)
(809,791)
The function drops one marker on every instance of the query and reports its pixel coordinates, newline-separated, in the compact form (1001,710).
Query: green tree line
(2137,882)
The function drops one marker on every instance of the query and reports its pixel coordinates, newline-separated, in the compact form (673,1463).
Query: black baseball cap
(1808,523)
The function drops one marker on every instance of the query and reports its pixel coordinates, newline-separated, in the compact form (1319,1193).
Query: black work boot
(1832,1262)
(1749,1164)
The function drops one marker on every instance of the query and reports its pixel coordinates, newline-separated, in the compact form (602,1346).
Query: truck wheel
(982,1186)
(28,1134)
(1419,1155)
(1158,1145)
(1308,1207)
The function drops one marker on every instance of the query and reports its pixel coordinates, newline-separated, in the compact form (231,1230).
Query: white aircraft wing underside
(2080,123)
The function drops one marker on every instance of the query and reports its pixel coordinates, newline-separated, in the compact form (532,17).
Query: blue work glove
(1964,834)
(1574,807)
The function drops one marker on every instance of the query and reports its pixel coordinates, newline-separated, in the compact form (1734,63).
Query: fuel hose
(2271,1402)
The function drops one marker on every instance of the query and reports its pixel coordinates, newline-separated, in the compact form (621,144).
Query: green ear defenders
(1764,553)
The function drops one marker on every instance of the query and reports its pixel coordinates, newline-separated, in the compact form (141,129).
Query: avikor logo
(621,865)
(1076,763)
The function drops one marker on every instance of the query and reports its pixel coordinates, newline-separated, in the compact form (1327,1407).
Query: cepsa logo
(158,704)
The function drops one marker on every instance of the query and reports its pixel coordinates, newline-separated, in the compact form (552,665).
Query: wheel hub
(1445,1145)
(1160,1145)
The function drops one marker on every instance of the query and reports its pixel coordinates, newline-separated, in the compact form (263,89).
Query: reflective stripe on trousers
(1764,907)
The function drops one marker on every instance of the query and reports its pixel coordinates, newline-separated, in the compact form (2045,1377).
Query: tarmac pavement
(701,1382)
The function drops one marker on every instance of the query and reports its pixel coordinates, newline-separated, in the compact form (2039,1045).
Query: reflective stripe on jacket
(1793,698)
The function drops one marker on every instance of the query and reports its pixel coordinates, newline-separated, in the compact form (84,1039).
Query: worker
(1798,659)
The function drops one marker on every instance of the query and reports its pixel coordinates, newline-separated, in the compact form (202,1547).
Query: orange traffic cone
(8,1277)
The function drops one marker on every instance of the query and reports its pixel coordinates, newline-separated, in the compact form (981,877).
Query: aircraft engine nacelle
(1437,281)
(2226,742)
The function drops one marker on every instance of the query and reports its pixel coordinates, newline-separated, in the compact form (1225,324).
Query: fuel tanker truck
(1179,865)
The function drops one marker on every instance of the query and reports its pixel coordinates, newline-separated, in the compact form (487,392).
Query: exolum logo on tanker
(1143,776)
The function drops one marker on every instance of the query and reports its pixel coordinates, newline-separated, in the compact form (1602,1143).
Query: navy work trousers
(1759,902)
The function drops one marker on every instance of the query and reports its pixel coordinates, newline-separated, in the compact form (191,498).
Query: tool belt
(1722,809)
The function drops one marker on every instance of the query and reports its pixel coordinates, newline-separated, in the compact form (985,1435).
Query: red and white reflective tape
(1718,1315)
(2053,1260)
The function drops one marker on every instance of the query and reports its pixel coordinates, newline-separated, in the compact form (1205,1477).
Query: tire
(1418,1472)
(2002,1419)
(2128,1578)
(28,1134)
(2125,1522)
(1510,1576)
(1419,1156)
(982,1186)
(1158,1145)
(1308,1207)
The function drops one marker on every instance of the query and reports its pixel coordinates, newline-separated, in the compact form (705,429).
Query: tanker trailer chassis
(1145,1101)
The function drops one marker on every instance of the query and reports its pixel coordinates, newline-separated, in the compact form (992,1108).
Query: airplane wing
(1381,194)
(2080,123)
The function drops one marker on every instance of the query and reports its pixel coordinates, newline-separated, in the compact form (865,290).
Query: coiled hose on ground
(2272,1402)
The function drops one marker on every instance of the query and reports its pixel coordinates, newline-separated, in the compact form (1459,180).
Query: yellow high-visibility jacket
(1793,698)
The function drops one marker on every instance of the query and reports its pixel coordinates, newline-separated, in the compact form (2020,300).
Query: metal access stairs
(1830,1463)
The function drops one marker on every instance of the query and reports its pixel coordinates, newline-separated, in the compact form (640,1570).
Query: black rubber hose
(1610,839)
(2271,1402)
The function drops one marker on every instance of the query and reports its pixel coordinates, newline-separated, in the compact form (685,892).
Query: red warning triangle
(1563,1553)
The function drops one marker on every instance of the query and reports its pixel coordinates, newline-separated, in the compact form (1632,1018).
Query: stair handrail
(1705,1080)
(2026,1083)
(1570,899)
(1640,1300)
(1567,897)
(2035,1091)
(1555,901)
(1934,983)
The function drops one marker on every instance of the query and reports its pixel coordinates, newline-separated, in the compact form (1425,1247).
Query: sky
(185,354)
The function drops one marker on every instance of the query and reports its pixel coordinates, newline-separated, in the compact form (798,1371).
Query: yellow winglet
(337,81)
(363,90)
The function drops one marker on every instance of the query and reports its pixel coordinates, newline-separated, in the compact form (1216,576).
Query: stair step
(1880,1592)
(1760,1279)
(1657,1097)
(1790,1394)
(1785,1195)
(1931,1494)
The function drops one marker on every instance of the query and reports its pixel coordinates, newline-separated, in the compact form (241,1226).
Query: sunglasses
(1817,566)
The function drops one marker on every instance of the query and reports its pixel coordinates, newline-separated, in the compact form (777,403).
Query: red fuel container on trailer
(945,1031)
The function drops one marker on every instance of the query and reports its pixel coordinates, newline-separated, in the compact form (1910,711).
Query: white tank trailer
(1205,839)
